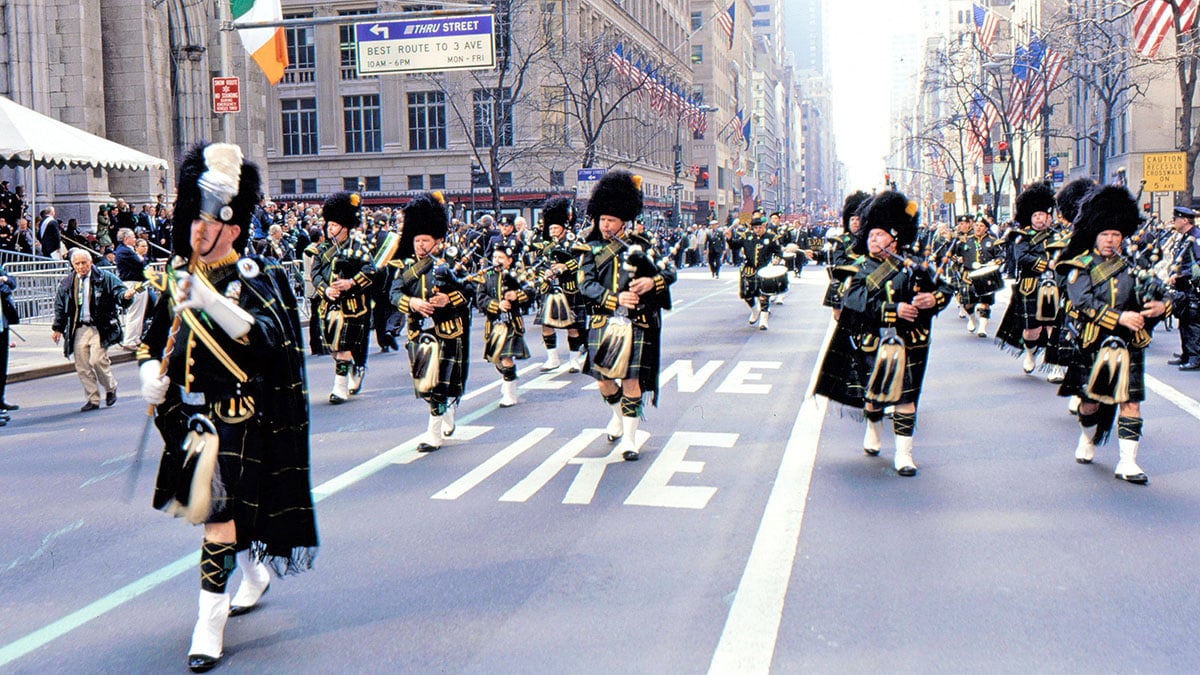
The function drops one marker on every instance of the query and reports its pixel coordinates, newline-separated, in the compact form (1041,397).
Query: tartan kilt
(638,365)
(915,359)
(833,294)
(1080,370)
(452,368)
(344,331)
(748,286)
(514,346)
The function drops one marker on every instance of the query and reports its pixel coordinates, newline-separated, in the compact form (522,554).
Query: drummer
(759,249)
(978,254)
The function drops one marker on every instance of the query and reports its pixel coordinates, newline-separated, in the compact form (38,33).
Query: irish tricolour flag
(266,45)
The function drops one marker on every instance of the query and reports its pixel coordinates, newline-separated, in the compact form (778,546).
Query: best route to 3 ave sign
(426,45)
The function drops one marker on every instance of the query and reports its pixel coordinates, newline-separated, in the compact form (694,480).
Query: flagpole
(224,19)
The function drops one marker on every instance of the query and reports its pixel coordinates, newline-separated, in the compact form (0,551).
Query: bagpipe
(615,347)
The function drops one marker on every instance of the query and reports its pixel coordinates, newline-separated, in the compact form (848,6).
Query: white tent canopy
(29,138)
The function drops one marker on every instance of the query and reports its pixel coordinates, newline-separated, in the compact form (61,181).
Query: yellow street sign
(1165,171)
(948,197)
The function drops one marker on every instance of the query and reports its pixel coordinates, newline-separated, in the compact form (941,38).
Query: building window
(558,179)
(493,114)
(554,116)
(437,181)
(287,186)
(361,117)
(348,44)
(416,182)
(301,52)
(350,183)
(505,179)
(426,120)
(697,53)
(308,186)
(697,20)
(371,184)
(299,126)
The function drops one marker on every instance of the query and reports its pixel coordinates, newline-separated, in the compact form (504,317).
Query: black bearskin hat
(1106,207)
(619,194)
(1036,197)
(556,211)
(342,208)
(425,214)
(892,212)
(1070,195)
(191,199)
(850,207)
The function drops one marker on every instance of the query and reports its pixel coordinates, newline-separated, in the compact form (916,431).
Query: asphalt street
(754,535)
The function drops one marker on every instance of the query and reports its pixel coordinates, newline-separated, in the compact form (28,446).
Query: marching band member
(1114,316)
(1185,278)
(1032,313)
(839,248)
(626,292)
(976,251)
(879,352)
(503,299)
(436,303)
(342,276)
(232,405)
(760,249)
(559,253)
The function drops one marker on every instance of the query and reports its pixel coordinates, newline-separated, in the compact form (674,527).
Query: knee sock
(217,562)
(575,342)
(342,367)
(631,406)
(551,341)
(507,373)
(904,424)
(985,312)
(614,399)
(1129,428)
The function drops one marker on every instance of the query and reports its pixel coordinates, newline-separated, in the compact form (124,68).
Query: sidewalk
(38,356)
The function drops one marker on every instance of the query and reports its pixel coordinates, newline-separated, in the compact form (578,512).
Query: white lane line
(493,464)
(747,643)
(1184,402)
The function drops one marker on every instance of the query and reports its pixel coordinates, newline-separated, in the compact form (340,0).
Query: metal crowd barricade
(38,278)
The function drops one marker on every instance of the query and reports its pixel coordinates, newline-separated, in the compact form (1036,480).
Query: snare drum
(772,279)
(987,279)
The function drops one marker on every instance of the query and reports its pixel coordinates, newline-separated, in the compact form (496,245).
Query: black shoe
(907,471)
(6,406)
(89,406)
(871,452)
(110,398)
(3,421)
(1177,361)
(1136,479)
(425,447)
(1194,365)
(630,455)
(201,663)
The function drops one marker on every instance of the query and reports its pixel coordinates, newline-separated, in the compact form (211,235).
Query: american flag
(1020,77)
(725,21)
(1152,19)
(986,24)
(977,132)
(1042,79)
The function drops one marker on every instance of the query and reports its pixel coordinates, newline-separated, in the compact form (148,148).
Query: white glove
(193,292)
(154,384)
(974,265)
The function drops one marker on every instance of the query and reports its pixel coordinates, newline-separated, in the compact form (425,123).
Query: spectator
(85,312)
(50,235)
(131,270)
(25,241)
(8,235)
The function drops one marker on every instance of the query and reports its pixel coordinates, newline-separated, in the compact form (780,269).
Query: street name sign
(585,182)
(427,45)
(1164,171)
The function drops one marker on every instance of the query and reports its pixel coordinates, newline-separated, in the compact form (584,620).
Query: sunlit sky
(858,43)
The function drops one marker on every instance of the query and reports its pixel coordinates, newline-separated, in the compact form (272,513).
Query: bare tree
(483,101)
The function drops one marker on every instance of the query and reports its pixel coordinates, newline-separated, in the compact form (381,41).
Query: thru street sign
(426,45)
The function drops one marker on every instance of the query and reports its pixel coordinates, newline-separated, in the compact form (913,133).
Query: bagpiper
(839,244)
(1028,323)
(627,290)
(503,298)
(342,276)
(222,361)
(1115,311)
(562,305)
(879,351)
(437,305)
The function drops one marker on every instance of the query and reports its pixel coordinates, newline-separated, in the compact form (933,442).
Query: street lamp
(676,186)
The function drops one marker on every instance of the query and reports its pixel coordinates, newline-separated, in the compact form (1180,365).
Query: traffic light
(1002,147)
(479,177)
(670,214)
(702,178)
(987,183)
(678,167)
